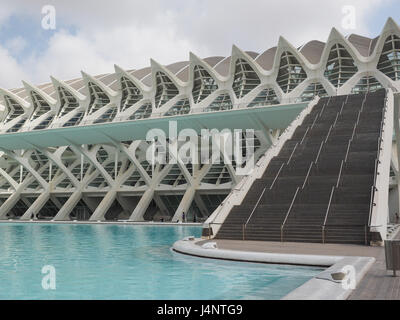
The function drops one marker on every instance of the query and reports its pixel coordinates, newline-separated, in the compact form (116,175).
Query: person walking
(183,217)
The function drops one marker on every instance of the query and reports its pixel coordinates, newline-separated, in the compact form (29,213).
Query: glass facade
(245,79)
(291,73)
(130,94)
(367,84)
(165,89)
(340,66)
(313,90)
(14,109)
(389,62)
(203,84)
(222,102)
(181,107)
(98,99)
(264,98)
(143,112)
(40,106)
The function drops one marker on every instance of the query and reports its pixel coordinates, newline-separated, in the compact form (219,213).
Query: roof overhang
(259,118)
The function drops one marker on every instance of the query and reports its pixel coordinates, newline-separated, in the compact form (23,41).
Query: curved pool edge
(320,287)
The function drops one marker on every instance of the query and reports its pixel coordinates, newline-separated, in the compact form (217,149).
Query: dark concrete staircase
(320,186)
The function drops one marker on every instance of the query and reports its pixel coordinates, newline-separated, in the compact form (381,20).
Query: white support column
(10,203)
(69,205)
(126,204)
(13,199)
(36,206)
(189,195)
(104,205)
(140,210)
(185,204)
(200,204)
(160,203)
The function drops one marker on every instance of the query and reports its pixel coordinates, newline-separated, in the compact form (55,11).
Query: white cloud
(16,45)
(11,72)
(129,33)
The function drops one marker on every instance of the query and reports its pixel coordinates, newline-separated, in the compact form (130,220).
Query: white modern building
(76,149)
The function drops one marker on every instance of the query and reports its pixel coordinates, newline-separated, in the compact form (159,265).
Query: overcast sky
(93,35)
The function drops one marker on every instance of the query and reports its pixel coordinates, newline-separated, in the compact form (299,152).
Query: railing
(329,133)
(291,155)
(340,174)
(338,226)
(210,230)
(255,206)
(276,177)
(337,116)
(327,213)
(304,136)
(374,188)
(323,108)
(288,212)
(371,204)
(319,152)
(315,120)
(348,150)
(341,109)
(308,174)
(259,199)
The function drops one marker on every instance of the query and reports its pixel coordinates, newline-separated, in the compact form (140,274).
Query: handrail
(308,174)
(294,149)
(354,131)
(315,120)
(341,109)
(288,212)
(340,174)
(329,133)
(304,136)
(337,116)
(374,189)
(259,199)
(363,102)
(371,205)
(358,117)
(319,151)
(348,149)
(329,206)
(323,108)
(276,177)
(255,206)
(326,214)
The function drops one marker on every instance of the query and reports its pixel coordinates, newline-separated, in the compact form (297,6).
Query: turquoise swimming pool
(128,262)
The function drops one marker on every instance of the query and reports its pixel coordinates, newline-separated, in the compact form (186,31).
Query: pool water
(128,262)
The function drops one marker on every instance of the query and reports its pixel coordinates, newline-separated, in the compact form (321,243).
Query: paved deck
(377,284)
